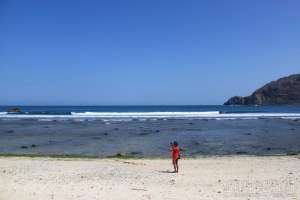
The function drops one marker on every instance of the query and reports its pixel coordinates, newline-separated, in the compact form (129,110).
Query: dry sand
(236,177)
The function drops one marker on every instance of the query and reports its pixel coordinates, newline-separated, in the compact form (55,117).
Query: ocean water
(230,112)
(146,131)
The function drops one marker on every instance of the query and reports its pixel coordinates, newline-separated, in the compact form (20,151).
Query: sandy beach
(231,177)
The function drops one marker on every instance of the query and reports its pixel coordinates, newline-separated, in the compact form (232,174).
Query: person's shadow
(167,172)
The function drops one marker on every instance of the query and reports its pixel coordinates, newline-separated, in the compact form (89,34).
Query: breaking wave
(155,115)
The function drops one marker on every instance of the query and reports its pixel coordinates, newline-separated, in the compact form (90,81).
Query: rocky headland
(284,91)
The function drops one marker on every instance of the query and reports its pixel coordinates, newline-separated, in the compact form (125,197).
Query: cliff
(284,91)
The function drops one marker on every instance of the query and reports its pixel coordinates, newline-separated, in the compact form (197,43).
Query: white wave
(235,118)
(227,118)
(289,117)
(167,115)
(3,113)
(157,115)
(261,115)
(120,120)
(45,120)
(10,119)
(79,120)
(145,114)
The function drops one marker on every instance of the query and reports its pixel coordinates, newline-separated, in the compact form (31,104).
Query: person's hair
(175,143)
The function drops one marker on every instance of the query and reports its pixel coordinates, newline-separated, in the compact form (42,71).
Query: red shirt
(175,153)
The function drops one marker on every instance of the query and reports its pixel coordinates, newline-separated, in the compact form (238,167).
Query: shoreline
(226,177)
(125,157)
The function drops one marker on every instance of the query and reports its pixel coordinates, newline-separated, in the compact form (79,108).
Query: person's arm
(171,146)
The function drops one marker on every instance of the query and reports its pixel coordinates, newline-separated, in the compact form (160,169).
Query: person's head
(175,144)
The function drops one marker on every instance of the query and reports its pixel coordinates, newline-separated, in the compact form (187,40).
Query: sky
(144,52)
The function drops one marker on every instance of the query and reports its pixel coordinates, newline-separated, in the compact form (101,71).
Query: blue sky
(144,51)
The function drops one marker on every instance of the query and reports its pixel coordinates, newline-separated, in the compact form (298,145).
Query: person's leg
(176,164)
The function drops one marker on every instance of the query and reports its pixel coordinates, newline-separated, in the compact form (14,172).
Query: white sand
(203,178)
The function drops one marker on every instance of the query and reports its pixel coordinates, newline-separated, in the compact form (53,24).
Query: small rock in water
(14,110)
(135,152)
(144,133)
(120,155)
(10,131)
(241,152)
(24,147)
(33,145)
(292,153)
(106,134)
(157,131)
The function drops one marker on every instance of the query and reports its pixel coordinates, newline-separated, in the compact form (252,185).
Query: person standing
(175,155)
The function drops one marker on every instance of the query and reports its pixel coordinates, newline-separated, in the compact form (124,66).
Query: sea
(146,131)
(184,112)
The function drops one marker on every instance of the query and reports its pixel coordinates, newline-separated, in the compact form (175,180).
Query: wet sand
(230,177)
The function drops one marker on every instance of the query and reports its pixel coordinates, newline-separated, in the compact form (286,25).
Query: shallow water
(149,137)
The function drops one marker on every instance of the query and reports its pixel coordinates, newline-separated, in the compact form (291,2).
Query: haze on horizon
(144,52)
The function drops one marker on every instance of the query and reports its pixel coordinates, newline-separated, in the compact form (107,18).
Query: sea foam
(156,115)
(145,114)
